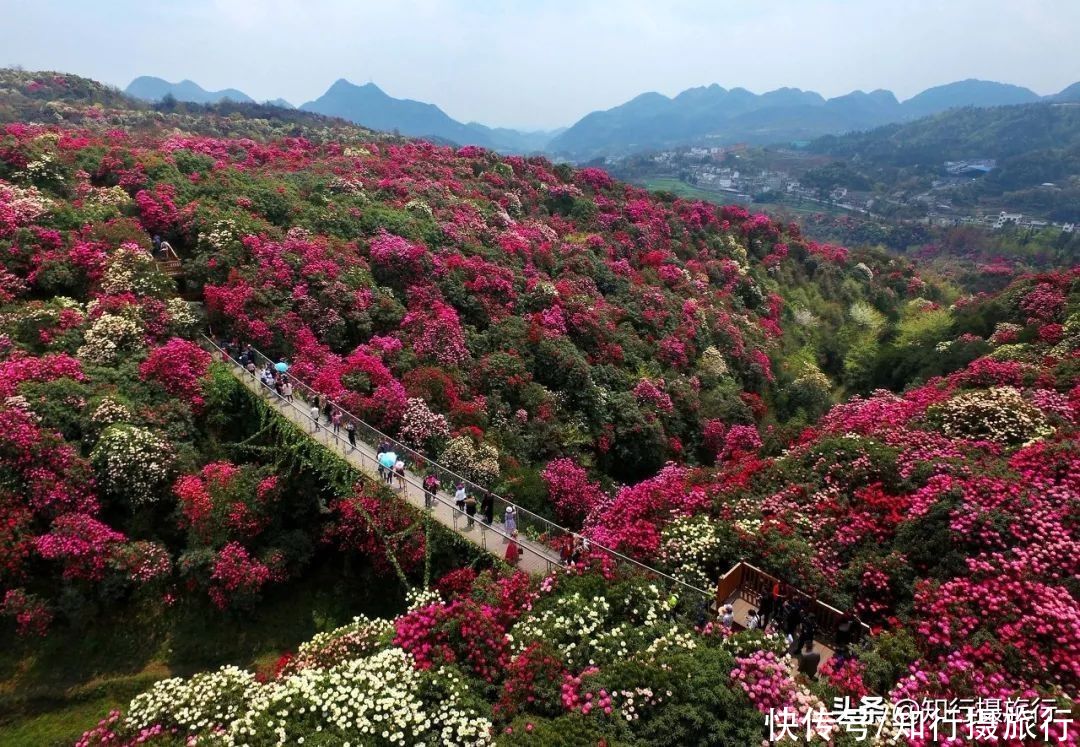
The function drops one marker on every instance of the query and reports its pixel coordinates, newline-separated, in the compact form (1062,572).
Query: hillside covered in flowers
(689,385)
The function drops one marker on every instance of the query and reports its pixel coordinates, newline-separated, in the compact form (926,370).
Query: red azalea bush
(376,525)
(574,495)
(179,366)
(236,578)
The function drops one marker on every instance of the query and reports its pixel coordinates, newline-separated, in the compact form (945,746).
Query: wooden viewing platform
(744,586)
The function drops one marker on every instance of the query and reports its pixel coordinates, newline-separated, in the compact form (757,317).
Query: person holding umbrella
(387,460)
(281,366)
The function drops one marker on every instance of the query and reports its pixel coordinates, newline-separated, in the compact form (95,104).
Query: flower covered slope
(658,373)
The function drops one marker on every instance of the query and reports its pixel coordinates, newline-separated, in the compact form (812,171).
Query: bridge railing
(530,525)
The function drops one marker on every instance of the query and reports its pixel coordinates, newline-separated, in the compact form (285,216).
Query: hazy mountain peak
(151,88)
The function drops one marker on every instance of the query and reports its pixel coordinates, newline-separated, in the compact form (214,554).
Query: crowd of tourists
(391,466)
(786,612)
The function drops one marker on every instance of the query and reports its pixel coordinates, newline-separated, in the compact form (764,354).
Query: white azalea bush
(132,270)
(360,637)
(207,701)
(479,463)
(182,319)
(378,700)
(713,363)
(132,462)
(421,428)
(689,548)
(601,630)
(110,337)
(999,414)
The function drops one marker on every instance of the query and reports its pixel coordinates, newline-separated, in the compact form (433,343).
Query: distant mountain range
(370,106)
(149,88)
(719,116)
(706,115)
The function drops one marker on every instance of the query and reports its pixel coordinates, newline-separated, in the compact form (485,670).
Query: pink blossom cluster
(179,366)
(575,496)
(633,520)
(236,574)
(766,680)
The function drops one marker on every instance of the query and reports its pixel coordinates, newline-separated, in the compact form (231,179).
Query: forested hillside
(690,385)
(1033,145)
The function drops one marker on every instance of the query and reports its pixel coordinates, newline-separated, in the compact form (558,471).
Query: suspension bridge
(537,536)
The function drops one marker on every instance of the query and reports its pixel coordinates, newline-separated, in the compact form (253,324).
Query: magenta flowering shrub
(632,520)
(766,681)
(575,496)
(178,366)
(30,613)
(236,578)
(380,527)
(436,332)
(396,254)
(21,368)
(82,544)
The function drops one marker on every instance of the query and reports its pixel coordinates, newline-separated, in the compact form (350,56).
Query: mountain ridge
(150,88)
(725,116)
(709,114)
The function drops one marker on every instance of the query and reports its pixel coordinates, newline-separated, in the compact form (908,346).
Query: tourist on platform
(350,431)
(335,420)
(286,390)
(808,630)
(328,409)
(382,449)
(578,550)
(809,660)
(843,630)
(765,609)
(399,473)
(753,620)
(388,460)
(314,413)
(727,616)
(487,507)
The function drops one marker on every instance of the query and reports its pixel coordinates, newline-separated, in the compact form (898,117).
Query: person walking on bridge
(470,510)
(513,551)
(431,487)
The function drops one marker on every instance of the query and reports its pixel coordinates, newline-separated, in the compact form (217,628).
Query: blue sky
(545,64)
